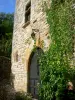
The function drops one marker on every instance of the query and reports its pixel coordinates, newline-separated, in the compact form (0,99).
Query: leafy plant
(55,65)
(22,96)
(6,30)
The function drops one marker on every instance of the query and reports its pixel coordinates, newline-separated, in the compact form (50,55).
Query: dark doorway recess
(33,72)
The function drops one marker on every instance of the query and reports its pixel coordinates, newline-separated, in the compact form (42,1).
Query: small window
(27,12)
(16,56)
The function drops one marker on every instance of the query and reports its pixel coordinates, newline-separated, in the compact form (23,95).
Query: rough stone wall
(23,44)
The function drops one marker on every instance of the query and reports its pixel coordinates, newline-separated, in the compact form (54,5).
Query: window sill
(25,24)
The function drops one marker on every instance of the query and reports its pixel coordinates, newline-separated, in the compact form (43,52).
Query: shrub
(22,96)
(55,65)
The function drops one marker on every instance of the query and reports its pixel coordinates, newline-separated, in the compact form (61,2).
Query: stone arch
(33,71)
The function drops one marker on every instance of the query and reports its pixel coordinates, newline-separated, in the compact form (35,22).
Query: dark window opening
(27,12)
(16,56)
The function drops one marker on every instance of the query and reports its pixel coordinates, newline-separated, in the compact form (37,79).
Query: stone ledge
(25,24)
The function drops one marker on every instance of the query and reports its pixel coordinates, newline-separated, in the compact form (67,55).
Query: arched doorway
(33,72)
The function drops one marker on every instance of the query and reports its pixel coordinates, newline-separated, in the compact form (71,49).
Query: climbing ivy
(56,69)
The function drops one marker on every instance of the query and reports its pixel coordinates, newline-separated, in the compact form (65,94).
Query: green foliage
(6,24)
(23,96)
(6,30)
(55,65)
(5,45)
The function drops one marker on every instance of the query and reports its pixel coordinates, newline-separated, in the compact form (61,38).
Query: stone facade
(23,43)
